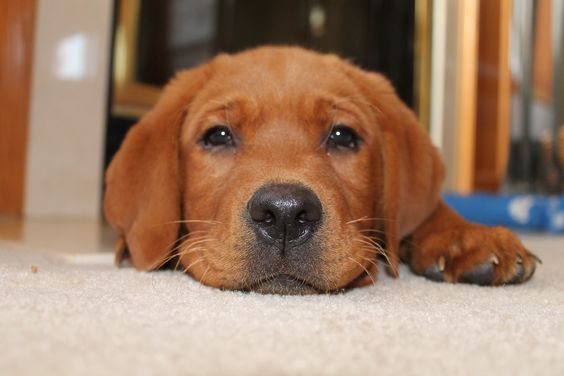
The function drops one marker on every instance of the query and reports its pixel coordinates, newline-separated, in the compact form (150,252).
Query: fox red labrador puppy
(281,170)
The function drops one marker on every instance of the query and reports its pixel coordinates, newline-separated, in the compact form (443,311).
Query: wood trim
(466,93)
(422,70)
(542,57)
(130,98)
(494,92)
(503,93)
(17,26)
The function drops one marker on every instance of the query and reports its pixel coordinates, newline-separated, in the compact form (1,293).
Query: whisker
(206,221)
(184,252)
(170,253)
(379,249)
(187,251)
(177,262)
(359,220)
(159,263)
(182,241)
(373,250)
(210,221)
(367,219)
(164,260)
(366,270)
(371,261)
(372,230)
(194,263)
(190,241)
(374,261)
(204,275)
(365,242)
(190,233)
(173,252)
(394,268)
(199,241)
(375,244)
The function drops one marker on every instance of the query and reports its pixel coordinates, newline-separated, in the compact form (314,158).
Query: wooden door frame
(491,150)
(453,88)
(17,27)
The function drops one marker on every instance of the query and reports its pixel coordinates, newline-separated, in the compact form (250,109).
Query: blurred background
(485,77)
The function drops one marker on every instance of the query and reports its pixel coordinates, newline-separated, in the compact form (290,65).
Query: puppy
(282,170)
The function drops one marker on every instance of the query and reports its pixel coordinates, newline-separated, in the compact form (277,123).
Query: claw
(441,263)
(518,277)
(536,258)
(494,260)
(434,273)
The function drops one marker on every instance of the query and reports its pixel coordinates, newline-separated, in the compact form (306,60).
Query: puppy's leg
(448,248)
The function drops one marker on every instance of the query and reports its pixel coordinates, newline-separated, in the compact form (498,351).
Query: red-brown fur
(281,102)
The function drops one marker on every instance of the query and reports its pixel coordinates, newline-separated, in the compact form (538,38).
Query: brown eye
(217,136)
(343,138)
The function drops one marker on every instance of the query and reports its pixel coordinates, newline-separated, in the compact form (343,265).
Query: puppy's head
(275,170)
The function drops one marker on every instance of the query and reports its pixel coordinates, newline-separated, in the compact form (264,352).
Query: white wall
(67,122)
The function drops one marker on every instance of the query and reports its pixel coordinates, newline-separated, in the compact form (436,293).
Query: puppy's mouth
(284,284)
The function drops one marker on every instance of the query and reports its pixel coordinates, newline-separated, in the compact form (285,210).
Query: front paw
(475,254)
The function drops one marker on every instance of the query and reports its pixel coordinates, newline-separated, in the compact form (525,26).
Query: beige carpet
(82,317)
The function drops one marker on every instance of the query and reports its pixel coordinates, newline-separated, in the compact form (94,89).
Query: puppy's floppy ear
(142,199)
(412,170)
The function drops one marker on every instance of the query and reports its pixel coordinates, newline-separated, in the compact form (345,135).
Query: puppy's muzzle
(285,215)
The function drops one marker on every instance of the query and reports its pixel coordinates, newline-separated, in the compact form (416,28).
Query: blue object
(519,212)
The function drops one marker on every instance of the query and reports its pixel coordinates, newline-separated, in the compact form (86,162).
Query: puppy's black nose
(285,212)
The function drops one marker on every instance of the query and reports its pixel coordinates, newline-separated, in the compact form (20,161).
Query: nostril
(260,214)
(302,218)
(268,217)
(310,214)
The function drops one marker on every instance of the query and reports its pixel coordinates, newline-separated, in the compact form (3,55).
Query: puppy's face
(283,171)
(279,178)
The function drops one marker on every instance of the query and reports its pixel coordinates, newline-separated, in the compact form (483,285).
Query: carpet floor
(81,316)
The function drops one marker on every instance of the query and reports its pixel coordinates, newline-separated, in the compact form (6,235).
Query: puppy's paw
(487,256)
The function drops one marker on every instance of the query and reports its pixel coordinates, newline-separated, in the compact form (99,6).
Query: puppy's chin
(284,284)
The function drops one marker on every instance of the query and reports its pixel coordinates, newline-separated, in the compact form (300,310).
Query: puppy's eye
(219,135)
(343,137)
